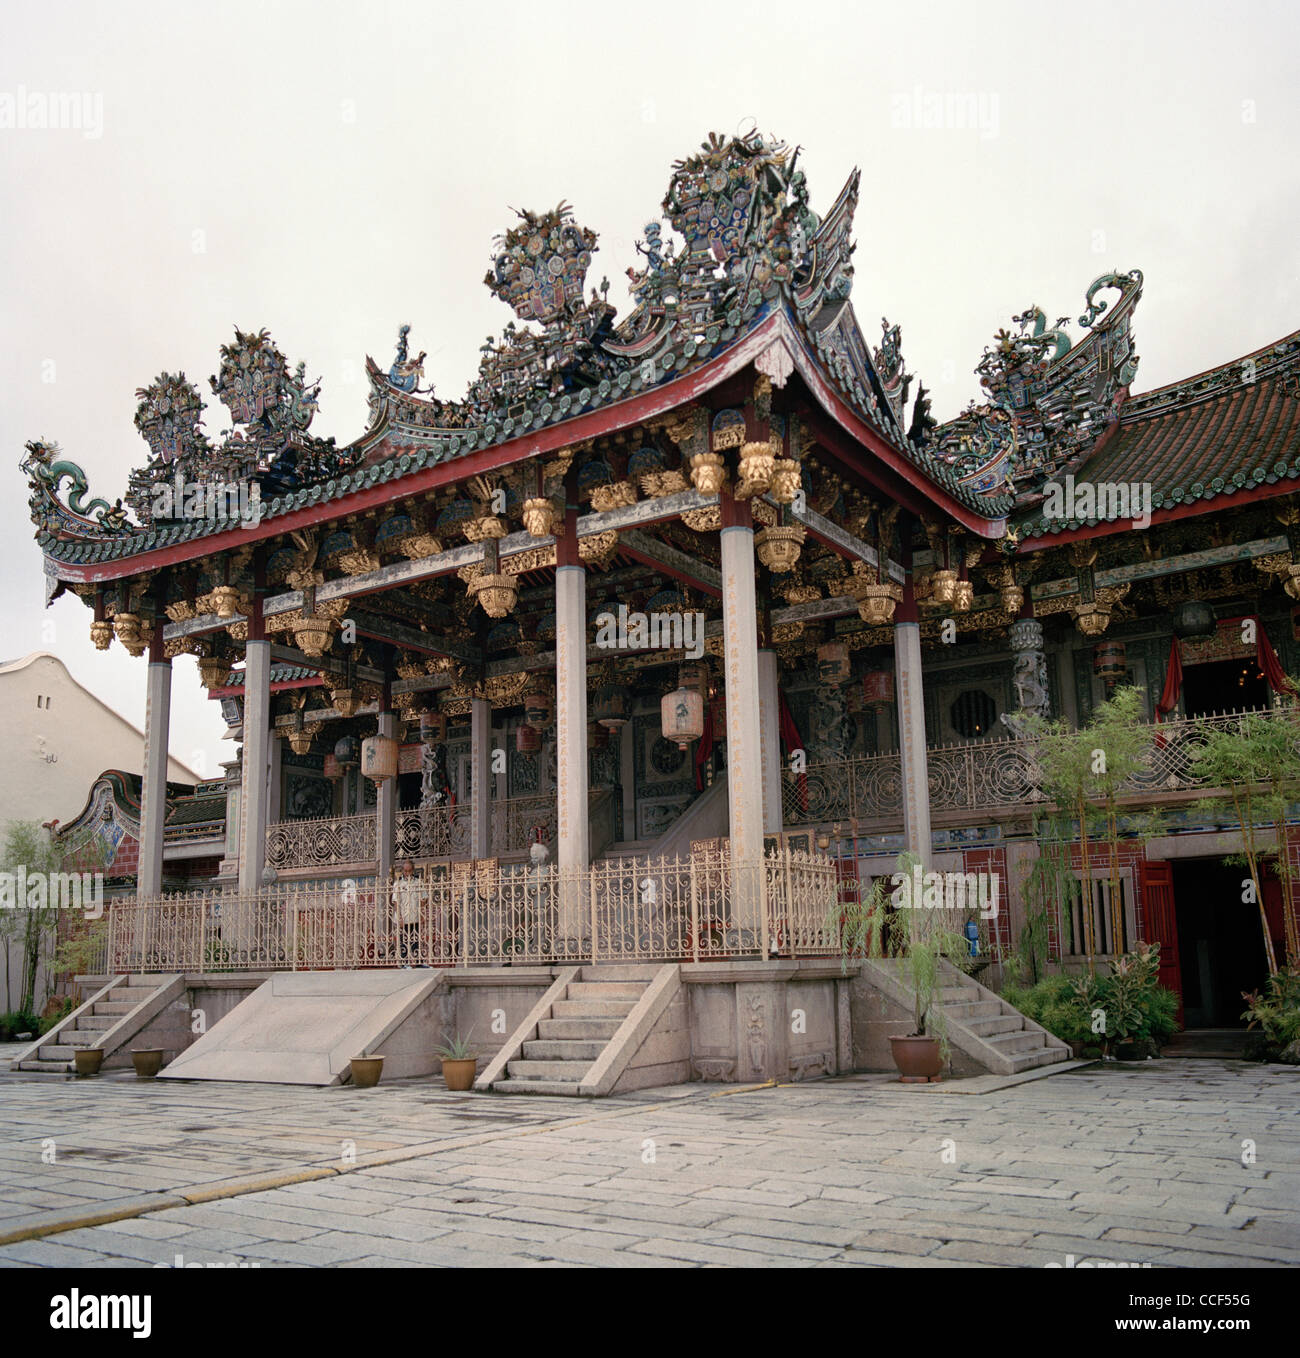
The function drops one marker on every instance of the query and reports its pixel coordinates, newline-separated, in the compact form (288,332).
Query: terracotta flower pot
(366,1071)
(87,1060)
(917,1058)
(459,1074)
(147,1061)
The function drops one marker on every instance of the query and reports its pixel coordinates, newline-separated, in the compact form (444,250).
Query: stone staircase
(582,1032)
(980,1023)
(113,1015)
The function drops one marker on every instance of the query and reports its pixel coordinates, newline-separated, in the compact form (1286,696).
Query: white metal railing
(691,908)
(429,832)
(984,775)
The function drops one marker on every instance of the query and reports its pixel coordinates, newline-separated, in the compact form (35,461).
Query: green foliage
(918,938)
(56,1013)
(1084,772)
(1276,1011)
(1133,1006)
(17,1021)
(455,1047)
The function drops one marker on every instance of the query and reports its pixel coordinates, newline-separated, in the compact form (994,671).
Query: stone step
(592,1008)
(39,1067)
(116,1007)
(563,1049)
(579,1029)
(604,990)
(621,971)
(572,1071)
(999,1023)
(56,1051)
(131,993)
(1017,1042)
(957,994)
(96,1021)
(80,1037)
(978,1009)
(1044,1056)
(535,1087)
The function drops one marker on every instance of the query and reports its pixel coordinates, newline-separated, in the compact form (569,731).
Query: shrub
(17,1021)
(1276,1012)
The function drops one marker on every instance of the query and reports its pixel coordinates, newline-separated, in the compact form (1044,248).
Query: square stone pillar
(257,730)
(744,742)
(385,812)
(153,793)
(480,763)
(911,726)
(769,723)
(572,837)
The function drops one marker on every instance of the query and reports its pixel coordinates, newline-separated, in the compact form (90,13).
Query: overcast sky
(333,170)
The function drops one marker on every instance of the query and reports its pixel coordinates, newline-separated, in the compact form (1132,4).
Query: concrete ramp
(303,1028)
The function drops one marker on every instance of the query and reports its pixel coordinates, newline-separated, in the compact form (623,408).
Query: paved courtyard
(1130,1164)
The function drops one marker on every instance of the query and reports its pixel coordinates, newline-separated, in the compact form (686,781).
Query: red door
(1157,885)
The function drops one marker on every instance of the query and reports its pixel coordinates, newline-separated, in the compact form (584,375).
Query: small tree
(1254,766)
(1084,772)
(29,852)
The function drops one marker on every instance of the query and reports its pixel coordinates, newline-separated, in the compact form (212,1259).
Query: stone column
(911,726)
(257,729)
(572,837)
(153,793)
(385,808)
(1029,672)
(275,779)
(769,723)
(744,743)
(230,863)
(627,776)
(480,764)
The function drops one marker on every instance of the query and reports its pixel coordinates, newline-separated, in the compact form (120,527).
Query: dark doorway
(1220,942)
(1224,686)
(408,791)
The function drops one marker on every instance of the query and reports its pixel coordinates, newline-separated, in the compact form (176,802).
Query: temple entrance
(1220,942)
(1224,686)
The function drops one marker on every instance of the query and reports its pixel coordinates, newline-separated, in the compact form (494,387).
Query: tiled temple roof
(752,250)
(1234,428)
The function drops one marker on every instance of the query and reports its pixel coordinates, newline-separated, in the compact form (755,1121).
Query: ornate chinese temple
(678,621)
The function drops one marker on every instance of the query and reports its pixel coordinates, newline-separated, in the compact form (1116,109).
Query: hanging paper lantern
(681,716)
(348,752)
(433,727)
(1193,619)
(833,665)
(1108,661)
(610,706)
(539,703)
(878,688)
(379,758)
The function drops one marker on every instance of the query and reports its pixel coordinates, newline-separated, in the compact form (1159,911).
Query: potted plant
(883,924)
(87,1060)
(366,1071)
(147,1061)
(458,1065)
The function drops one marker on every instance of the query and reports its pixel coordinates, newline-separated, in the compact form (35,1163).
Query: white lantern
(379,757)
(681,714)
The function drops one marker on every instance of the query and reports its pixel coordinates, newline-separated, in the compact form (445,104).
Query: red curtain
(1266,659)
(792,741)
(704,749)
(1173,682)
